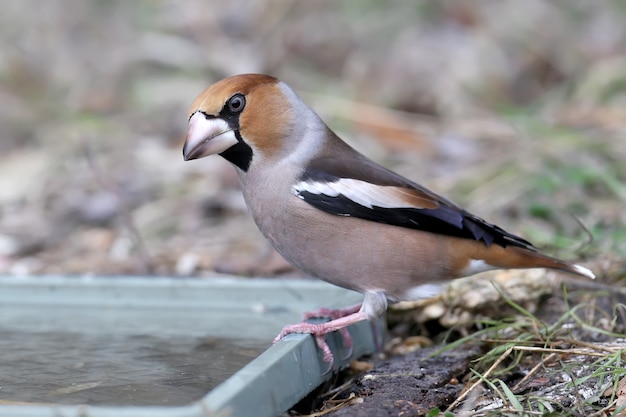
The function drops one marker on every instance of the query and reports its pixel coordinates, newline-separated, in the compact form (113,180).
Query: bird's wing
(377,194)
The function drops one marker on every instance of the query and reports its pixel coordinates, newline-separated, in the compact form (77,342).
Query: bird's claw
(318,331)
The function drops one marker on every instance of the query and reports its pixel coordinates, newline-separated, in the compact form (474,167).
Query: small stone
(8,245)
(187,263)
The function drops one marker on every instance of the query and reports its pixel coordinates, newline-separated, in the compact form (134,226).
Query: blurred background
(516,110)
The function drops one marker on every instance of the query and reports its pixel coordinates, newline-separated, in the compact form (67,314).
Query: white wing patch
(361,192)
(420,292)
(476,266)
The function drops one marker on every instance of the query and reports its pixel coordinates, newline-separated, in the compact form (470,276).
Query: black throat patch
(239,154)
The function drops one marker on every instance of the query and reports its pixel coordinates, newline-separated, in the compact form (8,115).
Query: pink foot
(335,314)
(318,330)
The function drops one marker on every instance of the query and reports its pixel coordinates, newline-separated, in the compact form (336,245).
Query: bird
(339,216)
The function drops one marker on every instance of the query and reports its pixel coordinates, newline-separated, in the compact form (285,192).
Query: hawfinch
(337,215)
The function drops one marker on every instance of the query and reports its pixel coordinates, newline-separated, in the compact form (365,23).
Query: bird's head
(244,117)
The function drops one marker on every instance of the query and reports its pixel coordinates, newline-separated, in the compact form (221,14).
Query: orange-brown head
(241,117)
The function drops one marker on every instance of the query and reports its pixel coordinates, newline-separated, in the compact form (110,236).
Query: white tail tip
(584,271)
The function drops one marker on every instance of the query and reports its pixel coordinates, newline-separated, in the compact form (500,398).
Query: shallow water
(116,369)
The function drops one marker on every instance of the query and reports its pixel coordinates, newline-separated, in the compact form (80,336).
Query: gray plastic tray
(218,309)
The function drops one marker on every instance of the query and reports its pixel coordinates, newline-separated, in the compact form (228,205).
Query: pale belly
(355,253)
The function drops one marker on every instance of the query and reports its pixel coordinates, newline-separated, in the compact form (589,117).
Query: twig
(352,399)
(489,371)
(609,349)
(560,351)
(533,371)
(588,233)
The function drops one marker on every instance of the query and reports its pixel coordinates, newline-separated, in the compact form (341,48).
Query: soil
(411,385)
(427,379)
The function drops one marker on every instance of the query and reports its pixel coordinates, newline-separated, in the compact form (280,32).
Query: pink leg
(318,330)
(331,312)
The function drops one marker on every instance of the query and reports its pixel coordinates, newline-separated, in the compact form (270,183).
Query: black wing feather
(445,220)
(341,161)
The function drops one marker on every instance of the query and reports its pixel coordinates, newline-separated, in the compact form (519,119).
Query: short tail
(544,261)
(515,257)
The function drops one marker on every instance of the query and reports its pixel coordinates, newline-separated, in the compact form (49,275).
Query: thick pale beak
(207,137)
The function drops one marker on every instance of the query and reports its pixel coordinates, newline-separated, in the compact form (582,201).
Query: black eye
(236,103)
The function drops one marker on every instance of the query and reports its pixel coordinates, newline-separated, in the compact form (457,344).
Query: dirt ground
(415,378)
(515,110)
